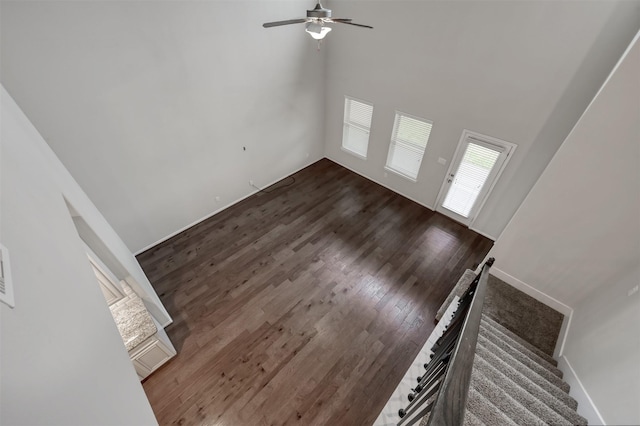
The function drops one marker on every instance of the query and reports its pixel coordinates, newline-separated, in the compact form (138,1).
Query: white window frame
(508,149)
(347,124)
(7,295)
(393,142)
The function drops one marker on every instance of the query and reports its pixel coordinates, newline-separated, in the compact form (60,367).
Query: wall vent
(6,284)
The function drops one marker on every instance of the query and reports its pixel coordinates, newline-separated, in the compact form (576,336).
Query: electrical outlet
(251,182)
(632,291)
(217,199)
(442,161)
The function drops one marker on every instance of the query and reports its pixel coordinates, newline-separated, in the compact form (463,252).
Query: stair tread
(541,370)
(520,340)
(543,390)
(485,411)
(504,402)
(562,415)
(470,419)
(515,383)
(559,390)
(515,344)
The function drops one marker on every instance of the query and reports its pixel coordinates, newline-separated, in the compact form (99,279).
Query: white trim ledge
(533,292)
(477,231)
(586,407)
(542,298)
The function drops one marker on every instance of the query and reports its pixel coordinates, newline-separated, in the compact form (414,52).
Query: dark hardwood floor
(302,306)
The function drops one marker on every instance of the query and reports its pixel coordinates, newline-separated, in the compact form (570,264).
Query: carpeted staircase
(514,383)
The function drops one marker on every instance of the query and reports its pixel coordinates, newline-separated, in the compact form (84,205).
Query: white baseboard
(586,407)
(477,231)
(423,204)
(533,292)
(542,298)
(184,228)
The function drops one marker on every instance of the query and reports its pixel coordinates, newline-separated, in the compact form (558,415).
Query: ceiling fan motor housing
(319,12)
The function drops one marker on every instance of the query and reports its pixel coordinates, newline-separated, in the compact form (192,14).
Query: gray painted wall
(576,238)
(149,104)
(520,71)
(62,360)
(609,369)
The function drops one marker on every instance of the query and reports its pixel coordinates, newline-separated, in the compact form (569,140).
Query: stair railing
(442,390)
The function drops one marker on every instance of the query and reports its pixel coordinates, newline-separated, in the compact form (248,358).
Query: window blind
(476,164)
(6,284)
(357,125)
(408,143)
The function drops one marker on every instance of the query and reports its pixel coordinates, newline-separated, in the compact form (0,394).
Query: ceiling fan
(316,22)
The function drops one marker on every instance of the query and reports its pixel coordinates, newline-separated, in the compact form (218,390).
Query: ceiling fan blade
(352,23)
(289,22)
(341,19)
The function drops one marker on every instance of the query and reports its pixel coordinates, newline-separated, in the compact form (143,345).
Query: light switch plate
(442,161)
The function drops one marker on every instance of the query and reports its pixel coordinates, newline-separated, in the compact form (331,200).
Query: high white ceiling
(157,107)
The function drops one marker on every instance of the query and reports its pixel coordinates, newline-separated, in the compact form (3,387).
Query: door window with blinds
(357,125)
(478,162)
(408,143)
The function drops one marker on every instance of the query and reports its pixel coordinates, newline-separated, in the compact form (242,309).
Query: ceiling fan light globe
(317,31)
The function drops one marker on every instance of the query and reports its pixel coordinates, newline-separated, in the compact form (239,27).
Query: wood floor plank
(302,305)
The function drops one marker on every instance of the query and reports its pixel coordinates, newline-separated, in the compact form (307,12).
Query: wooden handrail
(449,406)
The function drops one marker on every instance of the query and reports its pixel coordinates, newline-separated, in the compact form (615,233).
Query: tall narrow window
(408,143)
(357,124)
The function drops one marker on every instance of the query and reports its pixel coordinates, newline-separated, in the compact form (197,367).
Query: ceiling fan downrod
(319,12)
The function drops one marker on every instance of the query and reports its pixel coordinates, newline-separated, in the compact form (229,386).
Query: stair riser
(523,359)
(517,345)
(485,411)
(519,339)
(505,403)
(526,399)
(549,393)
(555,386)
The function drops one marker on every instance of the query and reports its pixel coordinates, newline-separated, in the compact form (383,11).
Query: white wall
(519,71)
(149,104)
(612,319)
(62,360)
(576,238)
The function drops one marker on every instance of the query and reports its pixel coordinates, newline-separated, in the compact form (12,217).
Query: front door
(476,166)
